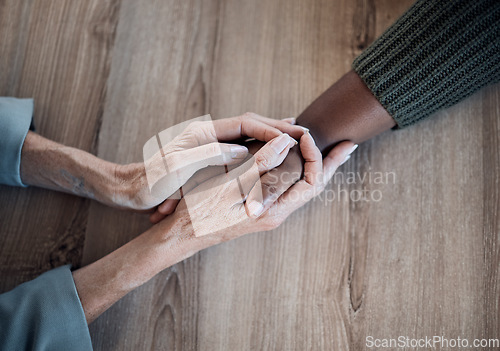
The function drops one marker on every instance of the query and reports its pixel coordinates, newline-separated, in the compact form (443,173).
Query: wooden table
(417,256)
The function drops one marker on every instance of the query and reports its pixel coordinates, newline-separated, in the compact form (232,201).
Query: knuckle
(212,149)
(190,127)
(247,115)
(264,160)
(196,125)
(173,161)
(270,189)
(191,130)
(195,128)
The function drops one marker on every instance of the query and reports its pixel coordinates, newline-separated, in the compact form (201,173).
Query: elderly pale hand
(216,210)
(199,146)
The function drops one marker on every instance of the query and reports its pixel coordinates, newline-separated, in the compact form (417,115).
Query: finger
(303,191)
(336,157)
(291,120)
(273,153)
(168,206)
(295,197)
(182,165)
(212,154)
(313,160)
(253,126)
(292,129)
(274,183)
(237,128)
(268,157)
(177,167)
(156,217)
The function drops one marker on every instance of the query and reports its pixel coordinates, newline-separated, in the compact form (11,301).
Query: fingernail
(349,154)
(353,148)
(255,208)
(291,120)
(346,159)
(238,151)
(280,143)
(306,130)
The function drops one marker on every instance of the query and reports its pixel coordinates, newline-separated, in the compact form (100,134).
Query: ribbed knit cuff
(436,54)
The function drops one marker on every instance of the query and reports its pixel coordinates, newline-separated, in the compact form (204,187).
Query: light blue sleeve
(44,314)
(15,120)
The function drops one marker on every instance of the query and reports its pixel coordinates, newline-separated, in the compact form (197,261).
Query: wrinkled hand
(216,211)
(197,147)
(276,182)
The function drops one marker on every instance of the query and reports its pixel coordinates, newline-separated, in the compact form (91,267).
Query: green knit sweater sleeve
(438,53)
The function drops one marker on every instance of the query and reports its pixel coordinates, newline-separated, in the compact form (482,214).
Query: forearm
(432,57)
(345,111)
(107,280)
(50,165)
(436,54)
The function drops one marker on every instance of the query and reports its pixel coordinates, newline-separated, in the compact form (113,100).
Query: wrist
(105,281)
(346,111)
(174,237)
(102,180)
(129,187)
(175,234)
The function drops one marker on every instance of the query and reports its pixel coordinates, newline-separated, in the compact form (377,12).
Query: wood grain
(57,52)
(417,256)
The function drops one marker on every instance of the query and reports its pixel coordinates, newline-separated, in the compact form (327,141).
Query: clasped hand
(228,202)
(223,197)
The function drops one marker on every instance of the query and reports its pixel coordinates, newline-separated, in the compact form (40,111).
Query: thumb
(180,166)
(212,154)
(337,157)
